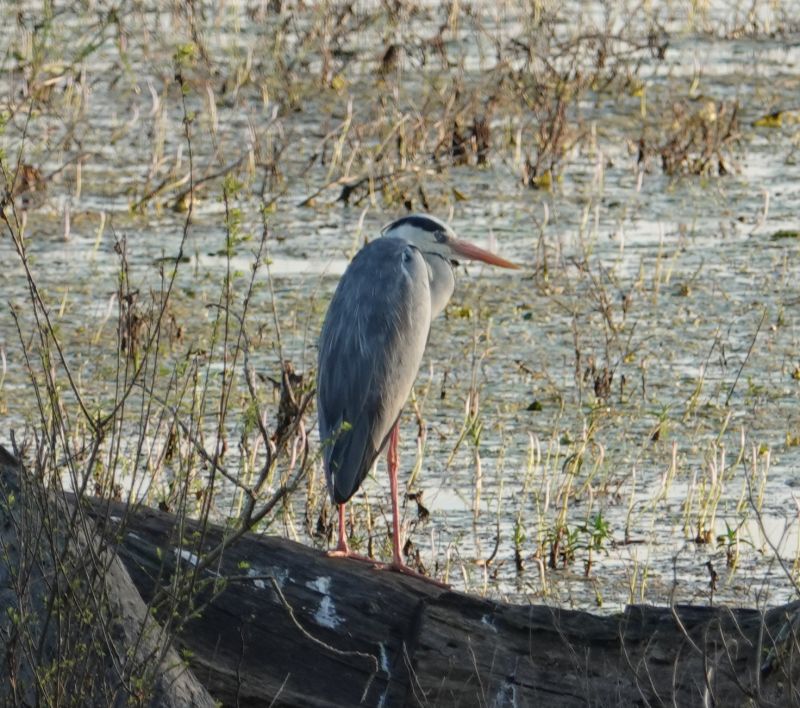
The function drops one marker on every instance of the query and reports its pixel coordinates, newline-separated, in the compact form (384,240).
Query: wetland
(617,422)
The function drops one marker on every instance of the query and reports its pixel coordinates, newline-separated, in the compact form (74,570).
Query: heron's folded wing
(371,347)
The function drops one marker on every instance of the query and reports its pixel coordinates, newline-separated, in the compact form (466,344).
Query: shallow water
(663,279)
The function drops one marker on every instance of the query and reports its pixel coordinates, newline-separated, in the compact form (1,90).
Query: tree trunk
(275,622)
(73,628)
(295,626)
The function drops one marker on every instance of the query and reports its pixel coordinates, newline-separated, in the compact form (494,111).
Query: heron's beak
(468,250)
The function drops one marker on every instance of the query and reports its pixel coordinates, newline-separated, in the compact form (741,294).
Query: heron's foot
(352,555)
(400,567)
(343,551)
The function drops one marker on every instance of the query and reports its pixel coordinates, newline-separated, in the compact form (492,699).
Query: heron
(370,350)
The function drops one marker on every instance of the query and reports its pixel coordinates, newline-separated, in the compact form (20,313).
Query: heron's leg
(342,549)
(392,464)
(342,546)
(397,542)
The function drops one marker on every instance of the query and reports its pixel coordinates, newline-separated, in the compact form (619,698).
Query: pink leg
(393,463)
(397,557)
(342,547)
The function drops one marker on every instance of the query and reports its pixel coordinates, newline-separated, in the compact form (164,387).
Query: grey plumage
(370,351)
(373,339)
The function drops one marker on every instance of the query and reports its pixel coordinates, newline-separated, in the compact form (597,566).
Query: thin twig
(750,349)
(373,660)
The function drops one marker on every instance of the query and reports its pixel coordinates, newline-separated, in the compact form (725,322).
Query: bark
(73,628)
(272,622)
(294,626)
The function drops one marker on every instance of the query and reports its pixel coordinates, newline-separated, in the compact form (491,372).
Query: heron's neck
(442,281)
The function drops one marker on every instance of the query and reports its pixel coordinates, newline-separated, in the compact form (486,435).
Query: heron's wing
(370,350)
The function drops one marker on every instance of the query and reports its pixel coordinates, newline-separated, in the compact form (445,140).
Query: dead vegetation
(155,138)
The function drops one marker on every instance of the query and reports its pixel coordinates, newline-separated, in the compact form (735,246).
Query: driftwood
(275,622)
(294,625)
(73,628)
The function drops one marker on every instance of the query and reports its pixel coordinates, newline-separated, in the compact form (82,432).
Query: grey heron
(371,347)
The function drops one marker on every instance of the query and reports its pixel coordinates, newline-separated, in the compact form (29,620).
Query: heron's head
(432,236)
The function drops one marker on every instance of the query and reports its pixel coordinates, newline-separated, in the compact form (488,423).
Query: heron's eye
(440,236)
(453,263)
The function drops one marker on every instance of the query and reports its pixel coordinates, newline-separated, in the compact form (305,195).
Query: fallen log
(273,622)
(73,628)
(294,626)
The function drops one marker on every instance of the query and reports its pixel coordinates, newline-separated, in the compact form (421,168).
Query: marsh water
(592,430)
